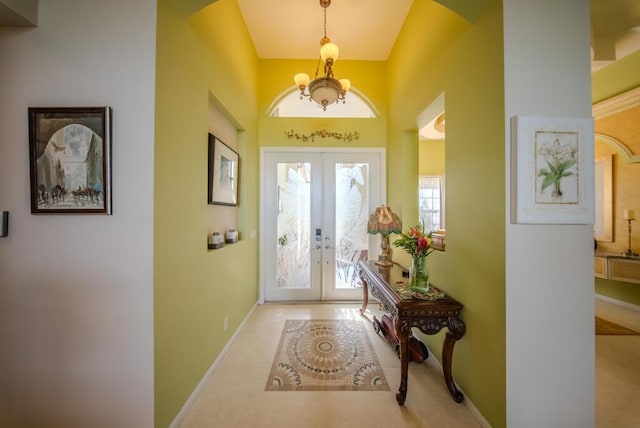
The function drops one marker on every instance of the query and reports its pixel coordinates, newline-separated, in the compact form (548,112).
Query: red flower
(415,242)
(423,244)
(414,232)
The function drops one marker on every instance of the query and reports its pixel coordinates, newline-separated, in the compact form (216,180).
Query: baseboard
(196,392)
(618,302)
(468,403)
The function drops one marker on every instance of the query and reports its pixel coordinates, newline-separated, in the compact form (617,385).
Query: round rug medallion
(325,355)
(325,351)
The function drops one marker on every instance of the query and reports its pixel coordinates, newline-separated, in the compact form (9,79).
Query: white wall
(76,291)
(550,285)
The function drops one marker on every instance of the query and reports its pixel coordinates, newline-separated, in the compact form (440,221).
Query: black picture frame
(223,173)
(70,160)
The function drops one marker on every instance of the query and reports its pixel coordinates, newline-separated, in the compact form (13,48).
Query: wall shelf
(219,246)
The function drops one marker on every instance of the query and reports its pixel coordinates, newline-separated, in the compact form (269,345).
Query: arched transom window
(290,105)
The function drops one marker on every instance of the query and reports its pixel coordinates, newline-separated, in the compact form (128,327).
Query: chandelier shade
(324,90)
(329,52)
(301,79)
(346,84)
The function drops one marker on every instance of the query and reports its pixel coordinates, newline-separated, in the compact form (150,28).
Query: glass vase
(418,275)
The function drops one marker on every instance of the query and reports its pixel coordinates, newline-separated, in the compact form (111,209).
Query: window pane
(430,202)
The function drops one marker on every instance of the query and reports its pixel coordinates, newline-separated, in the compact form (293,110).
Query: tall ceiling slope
(18,13)
(469,10)
(615,30)
(367,29)
(291,29)
(189,7)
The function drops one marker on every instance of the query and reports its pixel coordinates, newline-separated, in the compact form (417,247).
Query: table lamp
(384,221)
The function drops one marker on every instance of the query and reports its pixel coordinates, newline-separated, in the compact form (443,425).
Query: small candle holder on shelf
(629,216)
(215,241)
(231,236)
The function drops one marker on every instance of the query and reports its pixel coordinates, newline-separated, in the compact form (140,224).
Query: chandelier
(324,90)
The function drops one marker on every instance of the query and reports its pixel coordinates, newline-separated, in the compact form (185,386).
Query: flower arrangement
(418,245)
(415,242)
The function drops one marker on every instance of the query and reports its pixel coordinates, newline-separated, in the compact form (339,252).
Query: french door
(315,206)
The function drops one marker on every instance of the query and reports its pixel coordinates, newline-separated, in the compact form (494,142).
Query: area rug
(604,327)
(325,355)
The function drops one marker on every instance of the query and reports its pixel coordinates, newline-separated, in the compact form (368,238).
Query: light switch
(4,224)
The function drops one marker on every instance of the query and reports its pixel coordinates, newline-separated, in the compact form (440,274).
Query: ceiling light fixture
(324,90)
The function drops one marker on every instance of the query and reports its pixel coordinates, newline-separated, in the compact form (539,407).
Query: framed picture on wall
(603,197)
(552,170)
(223,173)
(70,160)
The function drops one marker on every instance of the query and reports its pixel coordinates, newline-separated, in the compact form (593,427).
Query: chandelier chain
(326,89)
(325,22)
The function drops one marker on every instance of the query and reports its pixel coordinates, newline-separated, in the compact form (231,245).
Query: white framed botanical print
(552,170)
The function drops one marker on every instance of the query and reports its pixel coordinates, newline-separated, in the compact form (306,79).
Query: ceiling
(291,29)
(615,30)
(367,29)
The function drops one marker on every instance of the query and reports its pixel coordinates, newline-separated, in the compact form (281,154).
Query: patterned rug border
(370,366)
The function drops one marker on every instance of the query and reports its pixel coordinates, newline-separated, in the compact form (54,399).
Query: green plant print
(560,159)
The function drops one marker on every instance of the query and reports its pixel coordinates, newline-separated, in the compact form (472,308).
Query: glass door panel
(290,254)
(351,214)
(354,194)
(293,225)
(315,207)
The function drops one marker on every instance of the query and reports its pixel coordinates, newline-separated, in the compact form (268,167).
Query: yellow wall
(616,78)
(608,82)
(626,194)
(276,79)
(439,52)
(431,157)
(194,289)
(436,51)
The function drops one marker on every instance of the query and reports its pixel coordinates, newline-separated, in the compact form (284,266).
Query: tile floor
(617,370)
(234,395)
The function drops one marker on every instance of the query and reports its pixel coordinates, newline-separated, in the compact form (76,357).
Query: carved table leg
(456,331)
(365,292)
(402,330)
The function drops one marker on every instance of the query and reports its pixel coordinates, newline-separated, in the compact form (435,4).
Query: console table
(389,286)
(617,267)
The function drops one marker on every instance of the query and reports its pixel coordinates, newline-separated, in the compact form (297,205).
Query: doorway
(315,206)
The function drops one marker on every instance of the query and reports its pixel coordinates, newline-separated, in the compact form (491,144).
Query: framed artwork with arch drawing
(70,160)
